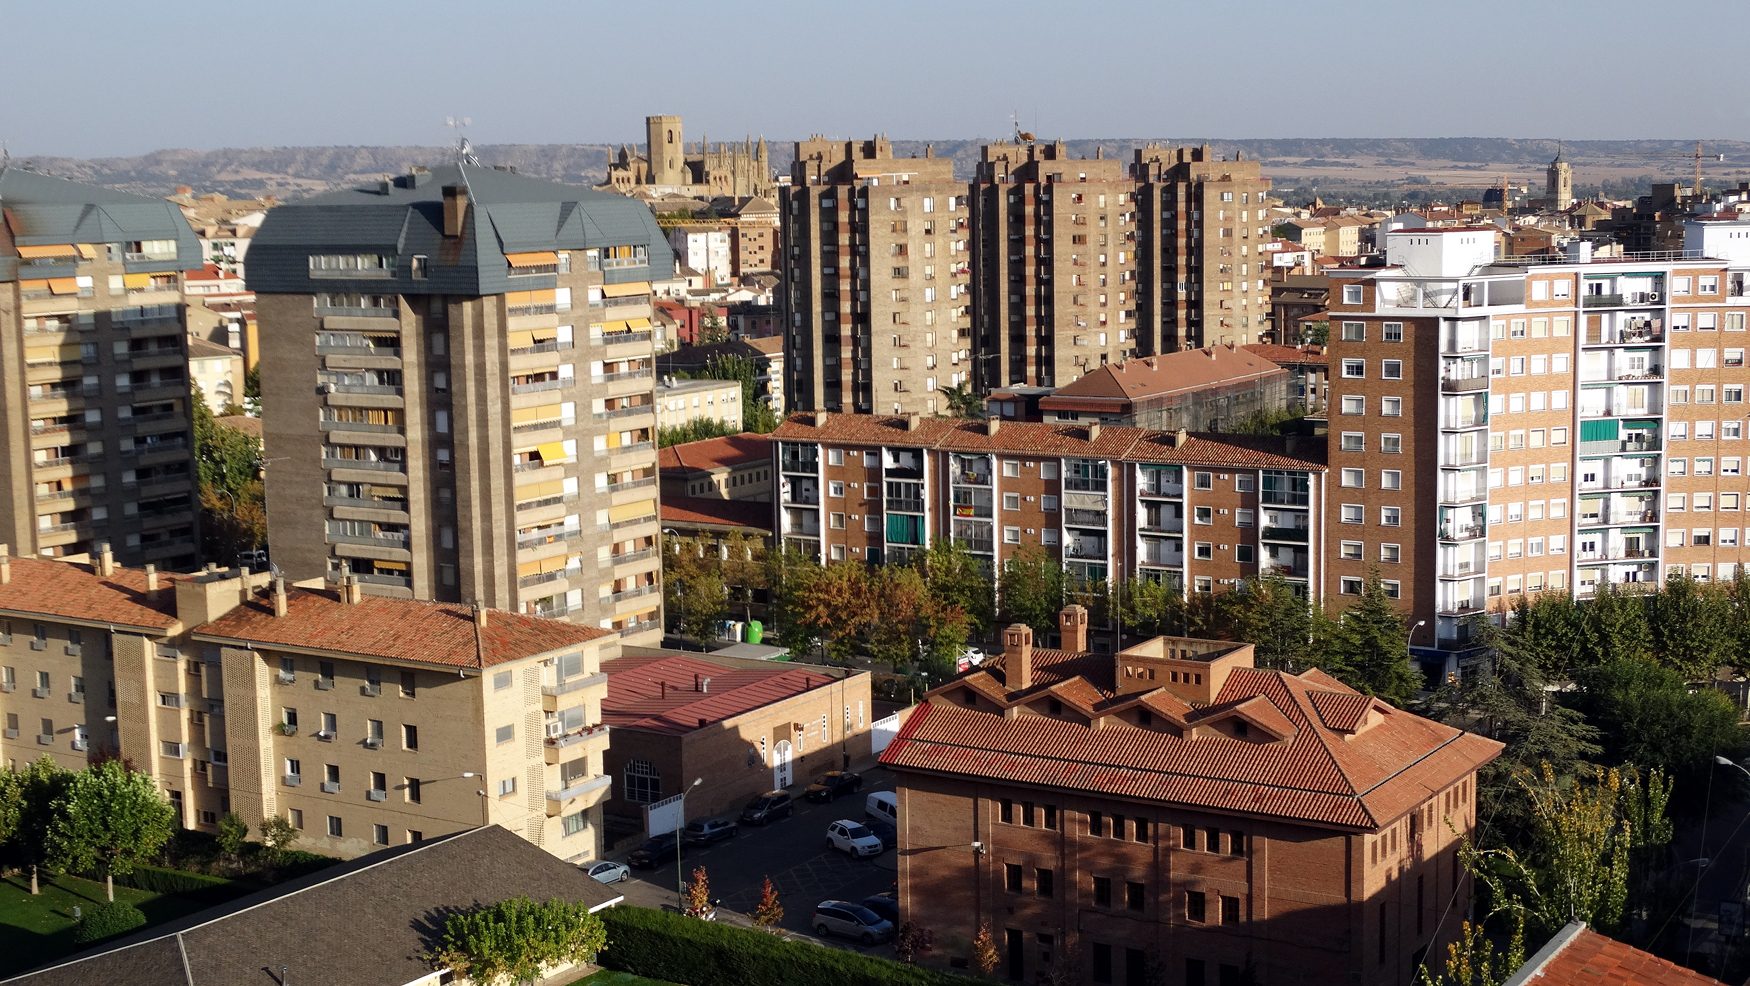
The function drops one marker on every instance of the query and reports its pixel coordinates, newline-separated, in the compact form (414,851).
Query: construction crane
(1697,158)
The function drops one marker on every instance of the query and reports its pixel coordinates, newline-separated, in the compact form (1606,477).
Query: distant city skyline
(323,73)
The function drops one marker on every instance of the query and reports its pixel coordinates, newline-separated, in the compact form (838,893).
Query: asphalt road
(793,853)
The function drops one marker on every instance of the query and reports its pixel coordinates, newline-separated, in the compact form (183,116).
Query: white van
(883,806)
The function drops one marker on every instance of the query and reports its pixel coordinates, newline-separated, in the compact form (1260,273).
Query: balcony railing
(579,788)
(576,736)
(1464,385)
(1295,534)
(1462,532)
(632,484)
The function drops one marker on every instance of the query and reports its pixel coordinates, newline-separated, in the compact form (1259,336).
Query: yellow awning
(537,491)
(64,285)
(51,252)
(399,566)
(637,324)
(136,281)
(517,298)
(528,415)
(626,290)
(532,259)
(33,284)
(554,564)
(87,250)
(527,569)
(551,451)
(610,328)
(631,511)
(520,339)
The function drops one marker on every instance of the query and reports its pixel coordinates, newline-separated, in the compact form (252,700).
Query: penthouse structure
(902,280)
(460,404)
(1509,425)
(1173,813)
(366,721)
(1109,502)
(95,440)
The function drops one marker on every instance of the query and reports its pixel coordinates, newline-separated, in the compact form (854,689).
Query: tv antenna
(1021,136)
(464,150)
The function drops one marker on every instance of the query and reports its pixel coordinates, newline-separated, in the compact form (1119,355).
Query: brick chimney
(455,209)
(279,597)
(1072,628)
(105,559)
(5,564)
(1018,657)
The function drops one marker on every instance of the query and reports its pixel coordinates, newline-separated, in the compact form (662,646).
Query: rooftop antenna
(464,150)
(1021,136)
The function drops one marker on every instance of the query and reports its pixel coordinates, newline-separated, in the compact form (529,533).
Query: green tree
(1614,624)
(109,819)
(228,485)
(696,430)
(278,835)
(1369,648)
(11,806)
(1738,599)
(1276,619)
(1474,959)
(1030,590)
(252,390)
(962,402)
(1691,627)
(790,575)
(756,413)
(694,594)
(37,787)
(517,940)
(953,575)
(698,895)
(233,836)
(713,330)
(835,608)
(1646,714)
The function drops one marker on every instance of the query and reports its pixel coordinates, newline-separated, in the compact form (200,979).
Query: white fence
(663,816)
(882,731)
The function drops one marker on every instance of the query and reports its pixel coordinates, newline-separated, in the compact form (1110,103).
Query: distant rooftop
(677,693)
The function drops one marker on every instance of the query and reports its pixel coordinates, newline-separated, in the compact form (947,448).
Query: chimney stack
(1018,657)
(1093,431)
(455,209)
(704,685)
(5,564)
(991,425)
(664,689)
(1072,628)
(696,683)
(350,592)
(105,559)
(151,580)
(479,615)
(913,421)
(279,597)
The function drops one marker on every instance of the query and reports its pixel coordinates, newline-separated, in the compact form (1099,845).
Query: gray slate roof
(403,218)
(363,923)
(40,210)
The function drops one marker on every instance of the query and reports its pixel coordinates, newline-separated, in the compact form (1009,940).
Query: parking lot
(792,852)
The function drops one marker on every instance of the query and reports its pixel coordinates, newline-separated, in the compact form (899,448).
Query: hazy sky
(122,78)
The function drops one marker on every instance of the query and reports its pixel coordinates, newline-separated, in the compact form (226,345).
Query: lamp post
(679,893)
(1728,762)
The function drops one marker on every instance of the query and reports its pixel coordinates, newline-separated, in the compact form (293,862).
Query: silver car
(847,920)
(608,871)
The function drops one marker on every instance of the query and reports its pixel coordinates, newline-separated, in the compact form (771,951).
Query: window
(1391,479)
(1354,404)
(1133,896)
(1349,550)
(1391,516)
(1351,479)
(380,835)
(1353,513)
(1011,501)
(1043,880)
(1393,331)
(1203,550)
(1391,553)
(1391,444)
(1203,515)
(1354,441)
(1351,294)
(1202,481)
(408,686)
(334,826)
(835,488)
(1230,909)
(1349,585)
(1011,468)
(1195,907)
(506,787)
(1102,891)
(1012,877)
(1391,369)
(1354,331)
(1354,369)
(409,736)
(1391,407)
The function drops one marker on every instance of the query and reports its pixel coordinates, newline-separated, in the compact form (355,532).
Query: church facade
(668,168)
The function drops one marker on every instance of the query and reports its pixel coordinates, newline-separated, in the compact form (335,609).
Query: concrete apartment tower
(458,393)
(1202,278)
(878,275)
(95,443)
(1558,182)
(1054,264)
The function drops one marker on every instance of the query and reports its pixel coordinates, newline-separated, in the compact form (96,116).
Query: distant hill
(1301,162)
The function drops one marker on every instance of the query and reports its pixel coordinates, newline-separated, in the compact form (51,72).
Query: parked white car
(852,838)
(608,871)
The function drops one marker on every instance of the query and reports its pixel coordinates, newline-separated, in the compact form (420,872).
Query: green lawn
(608,977)
(35,930)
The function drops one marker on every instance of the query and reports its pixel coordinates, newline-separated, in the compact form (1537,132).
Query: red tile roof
(1290,355)
(1118,442)
(1158,376)
(397,629)
(726,452)
(1583,957)
(637,698)
(698,511)
(1361,780)
(39,587)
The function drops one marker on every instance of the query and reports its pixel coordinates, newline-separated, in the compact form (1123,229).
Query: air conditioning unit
(1652,296)
(555,729)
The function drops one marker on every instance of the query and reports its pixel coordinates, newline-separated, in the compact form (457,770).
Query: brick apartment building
(1200,511)
(1503,425)
(460,400)
(367,721)
(95,441)
(1173,814)
(902,280)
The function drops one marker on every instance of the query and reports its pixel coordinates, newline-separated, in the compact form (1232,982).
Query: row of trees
(233,501)
(105,819)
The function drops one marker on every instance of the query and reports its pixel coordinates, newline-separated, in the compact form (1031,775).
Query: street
(793,853)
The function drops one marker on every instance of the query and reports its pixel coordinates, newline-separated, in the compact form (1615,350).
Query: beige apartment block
(878,269)
(367,721)
(682,402)
(95,443)
(1203,271)
(460,404)
(1503,426)
(1054,267)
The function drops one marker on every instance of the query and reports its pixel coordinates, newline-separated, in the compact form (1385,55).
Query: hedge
(195,887)
(106,920)
(680,949)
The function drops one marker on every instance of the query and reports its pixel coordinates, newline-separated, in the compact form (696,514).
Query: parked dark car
(885,904)
(655,851)
(705,831)
(884,831)
(832,784)
(768,807)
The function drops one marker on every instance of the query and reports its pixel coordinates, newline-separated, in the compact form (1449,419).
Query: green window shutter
(1604,430)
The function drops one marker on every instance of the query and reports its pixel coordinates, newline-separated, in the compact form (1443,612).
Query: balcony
(633,593)
(557,747)
(1462,532)
(1085,518)
(1603,300)
(1464,385)
(1621,446)
(559,800)
(530,581)
(1293,535)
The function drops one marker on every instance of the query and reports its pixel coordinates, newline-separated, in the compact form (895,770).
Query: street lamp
(1728,762)
(680,823)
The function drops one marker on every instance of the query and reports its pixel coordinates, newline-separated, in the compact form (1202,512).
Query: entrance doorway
(781,773)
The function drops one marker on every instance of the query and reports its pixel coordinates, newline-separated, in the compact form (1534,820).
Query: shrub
(198,888)
(672,947)
(106,921)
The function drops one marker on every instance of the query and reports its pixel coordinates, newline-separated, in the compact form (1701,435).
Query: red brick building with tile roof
(1173,814)
(1218,387)
(743,727)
